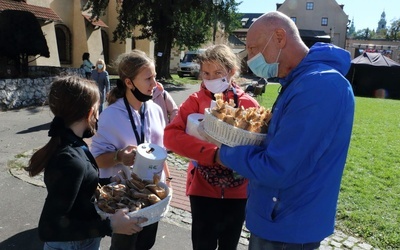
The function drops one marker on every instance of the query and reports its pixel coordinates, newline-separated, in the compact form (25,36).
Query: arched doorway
(63,36)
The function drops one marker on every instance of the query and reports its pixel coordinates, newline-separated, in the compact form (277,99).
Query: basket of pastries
(236,126)
(149,199)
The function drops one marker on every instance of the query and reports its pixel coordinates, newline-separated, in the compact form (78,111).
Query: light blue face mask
(100,66)
(260,67)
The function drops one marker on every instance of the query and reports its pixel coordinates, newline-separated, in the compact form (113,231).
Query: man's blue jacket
(294,177)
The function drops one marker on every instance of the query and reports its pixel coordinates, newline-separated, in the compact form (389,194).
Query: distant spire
(382,22)
(352,28)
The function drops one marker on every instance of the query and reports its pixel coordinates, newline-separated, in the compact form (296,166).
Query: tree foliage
(363,34)
(394,29)
(182,23)
(392,32)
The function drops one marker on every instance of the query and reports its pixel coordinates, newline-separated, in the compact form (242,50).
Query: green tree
(184,23)
(381,34)
(363,34)
(393,31)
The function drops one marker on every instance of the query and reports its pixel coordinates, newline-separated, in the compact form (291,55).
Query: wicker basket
(228,134)
(153,213)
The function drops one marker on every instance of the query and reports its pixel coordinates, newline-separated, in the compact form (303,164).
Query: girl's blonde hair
(221,54)
(101,61)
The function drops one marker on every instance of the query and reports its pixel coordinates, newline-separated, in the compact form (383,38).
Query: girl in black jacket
(69,218)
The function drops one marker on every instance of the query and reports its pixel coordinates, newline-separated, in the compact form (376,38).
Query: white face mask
(218,85)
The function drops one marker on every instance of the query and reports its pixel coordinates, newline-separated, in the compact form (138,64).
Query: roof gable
(39,12)
(247,19)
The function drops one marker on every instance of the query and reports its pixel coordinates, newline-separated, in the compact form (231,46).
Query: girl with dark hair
(69,219)
(131,118)
(87,65)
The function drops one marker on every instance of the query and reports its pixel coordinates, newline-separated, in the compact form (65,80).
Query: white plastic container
(149,161)
(192,123)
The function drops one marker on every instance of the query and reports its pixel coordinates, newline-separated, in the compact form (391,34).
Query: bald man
(294,177)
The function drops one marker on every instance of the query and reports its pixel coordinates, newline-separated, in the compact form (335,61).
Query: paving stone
(353,239)
(338,238)
(348,244)
(187,220)
(323,247)
(365,246)
(335,244)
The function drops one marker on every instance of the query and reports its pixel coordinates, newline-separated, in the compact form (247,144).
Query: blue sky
(366,14)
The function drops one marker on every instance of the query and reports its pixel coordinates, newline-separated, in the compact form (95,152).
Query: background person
(294,177)
(217,209)
(87,65)
(100,75)
(131,118)
(69,218)
(166,102)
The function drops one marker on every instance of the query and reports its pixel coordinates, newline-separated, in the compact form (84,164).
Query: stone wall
(25,92)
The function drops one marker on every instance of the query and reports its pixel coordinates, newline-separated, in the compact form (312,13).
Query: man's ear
(281,37)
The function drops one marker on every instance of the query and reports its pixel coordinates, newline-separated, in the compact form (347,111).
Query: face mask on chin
(139,95)
(218,85)
(261,68)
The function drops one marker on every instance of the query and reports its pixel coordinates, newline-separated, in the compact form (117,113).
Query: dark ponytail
(116,92)
(70,100)
(41,157)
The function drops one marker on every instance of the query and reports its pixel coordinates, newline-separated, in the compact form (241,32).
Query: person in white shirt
(131,119)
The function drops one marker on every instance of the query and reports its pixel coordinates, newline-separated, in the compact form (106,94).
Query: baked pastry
(250,119)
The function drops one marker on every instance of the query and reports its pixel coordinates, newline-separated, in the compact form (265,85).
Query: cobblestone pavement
(181,217)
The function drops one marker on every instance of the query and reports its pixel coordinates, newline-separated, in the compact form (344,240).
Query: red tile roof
(94,22)
(40,12)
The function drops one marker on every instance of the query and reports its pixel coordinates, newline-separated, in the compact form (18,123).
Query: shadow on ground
(27,240)
(173,88)
(45,126)
(32,110)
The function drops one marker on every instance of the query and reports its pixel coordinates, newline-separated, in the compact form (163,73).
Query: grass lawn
(183,80)
(176,80)
(369,198)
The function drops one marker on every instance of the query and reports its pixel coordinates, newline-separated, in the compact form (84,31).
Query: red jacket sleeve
(176,139)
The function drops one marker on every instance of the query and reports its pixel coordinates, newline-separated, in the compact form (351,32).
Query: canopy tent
(373,73)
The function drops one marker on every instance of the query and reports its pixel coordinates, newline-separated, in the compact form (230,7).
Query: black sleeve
(104,181)
(68,213)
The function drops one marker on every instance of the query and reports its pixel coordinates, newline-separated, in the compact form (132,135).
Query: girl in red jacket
(217,196)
